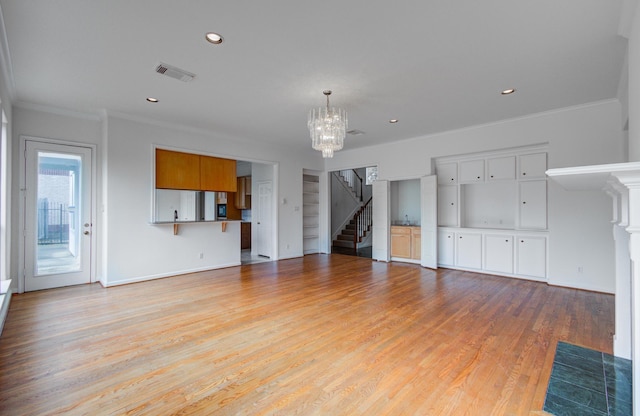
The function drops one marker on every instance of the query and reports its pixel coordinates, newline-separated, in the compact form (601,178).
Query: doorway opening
(352,211)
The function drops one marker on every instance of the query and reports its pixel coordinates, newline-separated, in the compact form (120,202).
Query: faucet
(406,220)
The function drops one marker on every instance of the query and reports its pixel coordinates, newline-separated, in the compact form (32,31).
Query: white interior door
(58,224)
(264,226)
(381,209)
(429,221)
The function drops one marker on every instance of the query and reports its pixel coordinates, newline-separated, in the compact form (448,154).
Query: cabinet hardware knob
(86,233)
(506,241)
(452,203)
(522,241)
(524,173)
(492,176)
(478,177)
(524,202)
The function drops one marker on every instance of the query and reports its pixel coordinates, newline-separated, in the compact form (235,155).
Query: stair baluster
(363,221)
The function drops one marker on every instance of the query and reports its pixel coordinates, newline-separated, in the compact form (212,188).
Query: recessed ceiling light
(152,100)
(393,121)
(214,38)
(509,91)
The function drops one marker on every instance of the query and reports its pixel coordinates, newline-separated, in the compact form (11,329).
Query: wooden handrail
(348,176)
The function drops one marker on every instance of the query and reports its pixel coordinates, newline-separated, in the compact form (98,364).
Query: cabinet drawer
(400,230)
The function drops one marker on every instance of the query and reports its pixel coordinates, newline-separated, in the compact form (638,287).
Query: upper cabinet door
(447,173)
(472,171)
(217,174)
(501,168)
(177,170)
(533,166)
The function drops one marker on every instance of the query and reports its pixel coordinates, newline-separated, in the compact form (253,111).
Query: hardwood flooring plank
(323,334)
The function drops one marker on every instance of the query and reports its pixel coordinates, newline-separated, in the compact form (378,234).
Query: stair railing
(351,177)
(363,220)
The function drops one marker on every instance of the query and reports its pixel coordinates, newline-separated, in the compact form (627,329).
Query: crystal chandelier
(327,127)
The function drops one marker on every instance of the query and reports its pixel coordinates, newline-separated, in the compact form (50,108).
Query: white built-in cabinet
(492,212)
(498,253)
(311,213)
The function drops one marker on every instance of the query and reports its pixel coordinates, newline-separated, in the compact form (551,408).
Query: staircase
(356,231)
(347,236)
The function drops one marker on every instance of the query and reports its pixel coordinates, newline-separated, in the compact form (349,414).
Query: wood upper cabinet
(188,171)
(177,170)
(243,196)
(217,174)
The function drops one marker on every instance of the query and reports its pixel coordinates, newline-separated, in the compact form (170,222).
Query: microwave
(222,210)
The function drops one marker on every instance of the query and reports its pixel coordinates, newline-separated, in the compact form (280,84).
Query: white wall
(633,96)
(137,250)
(129,248)
(405,200)
(58,125)
(583,135)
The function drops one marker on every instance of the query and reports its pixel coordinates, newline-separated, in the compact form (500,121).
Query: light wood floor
(323,335)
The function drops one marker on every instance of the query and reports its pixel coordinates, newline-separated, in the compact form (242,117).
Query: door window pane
(58,208)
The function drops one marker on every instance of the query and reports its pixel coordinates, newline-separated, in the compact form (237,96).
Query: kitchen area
(180,207)
(405,218)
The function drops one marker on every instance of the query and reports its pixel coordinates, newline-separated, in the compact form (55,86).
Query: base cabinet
(406,242)
(446,249)
(498,253)
(469,250)
(508,253)
(532,256)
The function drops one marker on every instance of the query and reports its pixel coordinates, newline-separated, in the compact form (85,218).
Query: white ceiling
(435,65)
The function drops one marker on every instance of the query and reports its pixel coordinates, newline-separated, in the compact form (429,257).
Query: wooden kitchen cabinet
(401,242)
(243,197)
(245,235)
(406,242)
(177,170)
(416,243)
(217,174)
(233,213)
(188,171)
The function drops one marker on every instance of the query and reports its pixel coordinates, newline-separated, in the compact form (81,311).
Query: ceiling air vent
(355,132)
(173,72)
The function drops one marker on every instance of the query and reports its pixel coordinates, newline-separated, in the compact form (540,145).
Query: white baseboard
(163,275)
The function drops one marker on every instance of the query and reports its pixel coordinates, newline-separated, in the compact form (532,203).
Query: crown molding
(86,115)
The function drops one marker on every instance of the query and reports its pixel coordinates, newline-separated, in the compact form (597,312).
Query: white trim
(5,56)
(22,207)
(164,275)
(67,112)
